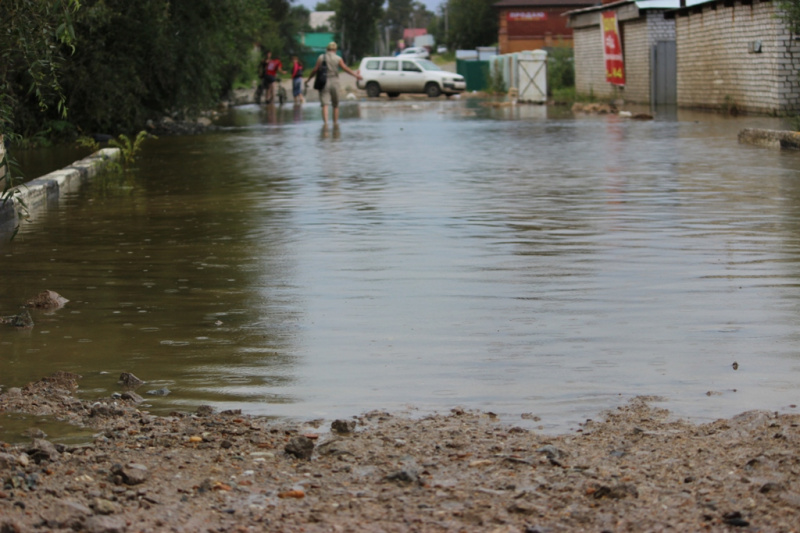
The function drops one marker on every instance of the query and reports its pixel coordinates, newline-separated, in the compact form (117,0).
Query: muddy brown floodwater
(429,254)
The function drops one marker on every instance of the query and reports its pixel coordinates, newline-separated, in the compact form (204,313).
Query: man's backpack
(322,74)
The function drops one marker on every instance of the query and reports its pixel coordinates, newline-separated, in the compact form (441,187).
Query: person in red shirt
(297,80)
(272,69)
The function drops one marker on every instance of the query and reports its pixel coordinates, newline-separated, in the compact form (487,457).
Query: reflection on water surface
(427,253)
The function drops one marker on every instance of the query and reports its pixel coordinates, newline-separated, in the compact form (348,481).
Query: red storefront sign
(612,49)
(526,16)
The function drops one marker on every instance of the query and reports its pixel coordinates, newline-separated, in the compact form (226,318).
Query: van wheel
(393,95)
(433,90)
(373,90)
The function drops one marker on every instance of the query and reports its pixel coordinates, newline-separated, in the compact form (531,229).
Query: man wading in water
(329,94)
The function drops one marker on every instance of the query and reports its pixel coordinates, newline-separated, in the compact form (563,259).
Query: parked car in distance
(416,51)
(395,75)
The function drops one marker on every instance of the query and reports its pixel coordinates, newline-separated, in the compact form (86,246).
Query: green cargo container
(476,73)
(314,44)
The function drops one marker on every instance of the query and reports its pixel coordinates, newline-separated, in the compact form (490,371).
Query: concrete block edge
(44,191)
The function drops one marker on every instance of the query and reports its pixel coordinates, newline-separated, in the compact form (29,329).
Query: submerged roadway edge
(45,191)
(770,138)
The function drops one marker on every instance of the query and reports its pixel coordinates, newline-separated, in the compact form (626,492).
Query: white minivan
(395,75)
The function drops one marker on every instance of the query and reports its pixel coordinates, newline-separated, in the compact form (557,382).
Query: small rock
(159,392)
(521,508)
(735,519)
(104,524)
(403,477)
(68,513)
(42,450)
(101,410)
(35,433)
(47,300)
(770,486)
(7,526)
(301,447)
(343,426)
(23,320)
(130,381)
(103,506)
(617,492)
(7,461)
(132,473)
(205,410)
(131,396)
(551,452)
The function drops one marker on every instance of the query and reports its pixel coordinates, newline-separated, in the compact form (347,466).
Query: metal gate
(532,76)
(664,82)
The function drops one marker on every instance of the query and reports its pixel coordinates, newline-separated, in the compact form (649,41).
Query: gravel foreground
(636,470)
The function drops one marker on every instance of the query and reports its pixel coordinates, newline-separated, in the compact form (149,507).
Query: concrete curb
(44,192)
(781,139)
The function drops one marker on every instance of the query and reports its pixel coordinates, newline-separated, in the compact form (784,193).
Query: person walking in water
(329,94)
(273,68)
(297,80)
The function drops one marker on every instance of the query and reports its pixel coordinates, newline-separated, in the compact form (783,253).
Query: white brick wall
(716,70)
(590,70)
(659,28)
(636,53)
(638,37)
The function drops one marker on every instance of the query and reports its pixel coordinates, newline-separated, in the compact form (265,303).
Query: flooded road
(429,254)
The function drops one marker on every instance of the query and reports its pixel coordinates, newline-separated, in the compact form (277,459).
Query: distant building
(535,24)
(737,54)
(719,54)
(409,34)
(320,19)
(648,60)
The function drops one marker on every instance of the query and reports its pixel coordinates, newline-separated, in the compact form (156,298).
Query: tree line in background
(114,64)
(70,67)
(365,26)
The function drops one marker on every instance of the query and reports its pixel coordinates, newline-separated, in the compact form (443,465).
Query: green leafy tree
(436,25)
(133,61)
(420,16)
(791,14)
(397,17)
(357,24)
(137,60)
(300,16)
(36,37)
(471,23)
(330,5)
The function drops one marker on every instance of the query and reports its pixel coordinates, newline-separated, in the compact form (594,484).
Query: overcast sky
(432,5)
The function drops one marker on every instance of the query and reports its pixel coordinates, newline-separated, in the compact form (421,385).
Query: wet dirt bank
(635,470)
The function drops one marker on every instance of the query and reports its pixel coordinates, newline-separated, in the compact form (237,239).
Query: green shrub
(560,69)
(497,84)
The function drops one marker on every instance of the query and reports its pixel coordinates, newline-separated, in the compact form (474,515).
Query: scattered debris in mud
(46,300)
(638,470)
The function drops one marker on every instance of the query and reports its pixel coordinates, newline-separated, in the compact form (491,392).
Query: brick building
(648,47)
(717,54)
(534,24)
(737,53)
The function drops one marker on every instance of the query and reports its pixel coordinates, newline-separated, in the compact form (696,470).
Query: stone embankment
(41,193)
(782,139)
